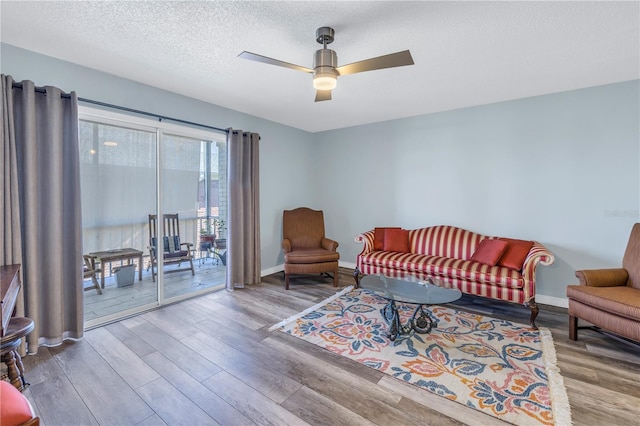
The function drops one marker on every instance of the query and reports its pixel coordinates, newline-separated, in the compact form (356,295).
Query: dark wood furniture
(18,328)
(10,277)
(174,249)
(13,328)
(115,255)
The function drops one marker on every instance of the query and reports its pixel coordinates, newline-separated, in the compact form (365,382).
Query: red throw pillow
(515,254)
(396,239)
(378,238)
(489,251)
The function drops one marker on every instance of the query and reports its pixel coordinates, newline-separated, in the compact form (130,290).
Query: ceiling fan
(325,64)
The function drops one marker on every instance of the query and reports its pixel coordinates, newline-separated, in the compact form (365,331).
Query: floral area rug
(495,366)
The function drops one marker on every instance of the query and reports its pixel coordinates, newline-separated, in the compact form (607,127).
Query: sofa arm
(613,277)
(329,244)
(367,239)
(286,245)
(538,254)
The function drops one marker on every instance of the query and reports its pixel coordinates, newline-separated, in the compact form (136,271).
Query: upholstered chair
(15,409)
(306,250)
(609,298)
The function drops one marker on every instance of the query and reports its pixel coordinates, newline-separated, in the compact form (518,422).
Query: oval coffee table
(413,291)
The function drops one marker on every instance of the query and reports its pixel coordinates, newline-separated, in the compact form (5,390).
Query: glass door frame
(160,128)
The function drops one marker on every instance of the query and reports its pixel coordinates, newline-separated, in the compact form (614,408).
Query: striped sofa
(444,253)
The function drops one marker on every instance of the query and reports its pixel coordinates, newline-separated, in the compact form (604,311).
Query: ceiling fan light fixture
(324,81)
(325,62)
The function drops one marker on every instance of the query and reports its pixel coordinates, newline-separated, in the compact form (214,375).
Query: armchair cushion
(171,244)
(311,256)
(180,253)
(623,301)
(612,277)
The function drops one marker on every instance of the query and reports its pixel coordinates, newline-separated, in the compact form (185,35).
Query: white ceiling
(465,53)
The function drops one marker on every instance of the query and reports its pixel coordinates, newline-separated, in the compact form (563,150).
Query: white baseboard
(272,270)
(560,302)
(280,268)
(349,265)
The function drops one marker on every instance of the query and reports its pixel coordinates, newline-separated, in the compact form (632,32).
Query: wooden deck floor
(211,360)
(118,299)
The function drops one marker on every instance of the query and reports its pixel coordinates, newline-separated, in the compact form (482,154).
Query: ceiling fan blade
(323,95)
(398,59)
(271,61)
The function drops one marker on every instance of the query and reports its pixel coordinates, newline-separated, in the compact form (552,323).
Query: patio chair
(90,270)
(174,251)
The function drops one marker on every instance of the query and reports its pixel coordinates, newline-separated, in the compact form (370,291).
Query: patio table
(122,254)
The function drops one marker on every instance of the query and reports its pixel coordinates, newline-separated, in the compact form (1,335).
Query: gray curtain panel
(243,241)
(10,235)
(41,162)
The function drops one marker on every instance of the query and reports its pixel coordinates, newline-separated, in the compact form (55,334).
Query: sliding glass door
(193,190)
(154,206)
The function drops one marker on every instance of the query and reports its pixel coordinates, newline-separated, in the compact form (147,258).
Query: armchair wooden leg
(286,281)
(335,278)
(573,327)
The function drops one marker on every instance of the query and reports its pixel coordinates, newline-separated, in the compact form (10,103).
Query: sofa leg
(356,276)
(573,327)
(534,313)
(286,281)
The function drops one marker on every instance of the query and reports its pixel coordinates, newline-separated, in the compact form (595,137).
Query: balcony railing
(136,235)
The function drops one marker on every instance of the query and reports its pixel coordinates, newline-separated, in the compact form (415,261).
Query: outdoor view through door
(145,257)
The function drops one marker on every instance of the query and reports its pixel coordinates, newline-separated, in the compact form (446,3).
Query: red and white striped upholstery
(443,252)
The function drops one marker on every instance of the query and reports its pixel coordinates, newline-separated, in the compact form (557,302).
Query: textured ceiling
(465,53)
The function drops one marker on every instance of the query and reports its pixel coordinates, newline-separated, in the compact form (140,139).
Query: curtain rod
(136,111)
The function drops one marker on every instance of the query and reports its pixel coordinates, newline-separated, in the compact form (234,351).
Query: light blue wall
(285,152)
(562,169)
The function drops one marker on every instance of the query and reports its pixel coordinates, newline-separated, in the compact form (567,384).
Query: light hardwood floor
(211,360)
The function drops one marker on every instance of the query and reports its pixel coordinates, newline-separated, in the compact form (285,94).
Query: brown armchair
(609,298)
(306,250)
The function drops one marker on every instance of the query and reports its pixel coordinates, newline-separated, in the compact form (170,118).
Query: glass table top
(409,290)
